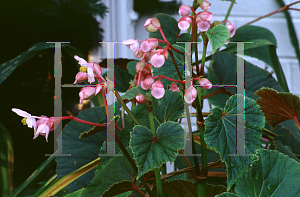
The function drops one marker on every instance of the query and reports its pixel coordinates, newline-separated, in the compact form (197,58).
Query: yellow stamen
(24,121)
(82,69)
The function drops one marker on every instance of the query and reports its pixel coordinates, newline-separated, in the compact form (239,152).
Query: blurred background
(84,23)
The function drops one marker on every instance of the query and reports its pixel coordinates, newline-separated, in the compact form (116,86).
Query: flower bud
(205,5)
(205,83)
(150,43)
(152,24)
(80,77)
(140,98)
(206,16)
(157,90)
(139,66)
(97,69)
(203,25)
(146,83)
(86,93)
(174,87)
(190,95)
(185,10)
(159,58)
(147,70)
(132,44)
(184,23)
(232,29)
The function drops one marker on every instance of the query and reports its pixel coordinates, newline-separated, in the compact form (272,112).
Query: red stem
(84,121)
(170,79)
(211,94)
(162,34)
(297,122)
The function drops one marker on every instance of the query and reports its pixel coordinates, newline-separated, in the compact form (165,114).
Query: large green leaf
(170,28)
(169,70)
(8,67)
(221,132)
(169,108)
(217,35)
(6,161)
(76,193)
(285,149)
(274,174)
(224,73)
(183,188)
(226,194)
(82,151)
(150,153)
(116,170)
(131,67)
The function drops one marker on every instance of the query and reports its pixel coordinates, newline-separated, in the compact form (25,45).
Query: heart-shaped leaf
(278,107)
(217,35)
(150,152)
(274,174)
(221,133)
(130,94)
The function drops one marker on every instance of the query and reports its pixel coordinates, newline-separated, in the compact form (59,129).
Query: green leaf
(6,161)
(226,194)
(131,67)
(292,32)
(224,73)
(220,134)
(150,154)
(169,108)
(116,170)
(290,140)
(257,50)
(130,94)
(169,26)
(183,188)
(82,151)
(169,70)
(8,67)
(285,150)
(76,193)
(278,107)
(217,35)
(122,79)
(274,174)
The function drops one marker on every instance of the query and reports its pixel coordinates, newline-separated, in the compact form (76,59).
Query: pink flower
(190,95)
(203,25)
(147,70)
(205,83)
(157,90)
(205,5)
(159,58)
(206,16)
(184,23)
(185,10)
(150,43)
(146,83)
(45,125)
(28,118)
(132,44)
(174,87)
(232,29)
(139,66)
(86,93)
(90,67)
(140,98)
(80,77)
(152,24)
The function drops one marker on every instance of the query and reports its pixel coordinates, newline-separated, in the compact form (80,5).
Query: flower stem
(229,10)
(163,169)
(175,64)
(272,13)
(162,34)
(126,108)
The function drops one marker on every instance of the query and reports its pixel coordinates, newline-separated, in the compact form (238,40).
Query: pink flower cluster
(90,71)
(41,127)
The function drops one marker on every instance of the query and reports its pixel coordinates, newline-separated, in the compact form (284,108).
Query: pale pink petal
(21,112)
(90,73)
(185,10)
(81,61)
(183,25)
(146,83)
(157,60)
(174,87)
(145,46)
(157,90)
(203,25)
(205,83)
(190,95)
(140,98)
